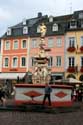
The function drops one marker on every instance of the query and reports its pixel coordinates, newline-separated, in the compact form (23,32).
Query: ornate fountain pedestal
(34,93)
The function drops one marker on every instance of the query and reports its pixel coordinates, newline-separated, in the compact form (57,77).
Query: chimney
(39,14)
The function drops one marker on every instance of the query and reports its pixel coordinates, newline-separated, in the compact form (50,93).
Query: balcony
(81,48)
(71,49)
(81,69)
(72,69)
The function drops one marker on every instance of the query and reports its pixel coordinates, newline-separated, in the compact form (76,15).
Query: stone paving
(32,118)
(42,118)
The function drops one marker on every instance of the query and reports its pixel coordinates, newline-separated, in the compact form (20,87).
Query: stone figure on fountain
(41,73)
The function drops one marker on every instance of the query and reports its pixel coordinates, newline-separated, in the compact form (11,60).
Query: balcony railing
(81,69)
(71,49)
(81,48)
(72,69)
(75,69)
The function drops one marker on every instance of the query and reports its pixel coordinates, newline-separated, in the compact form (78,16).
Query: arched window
(25,30)
(38,29)
(55,27)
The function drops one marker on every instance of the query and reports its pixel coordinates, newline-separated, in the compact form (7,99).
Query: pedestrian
(47,95)
(2,96)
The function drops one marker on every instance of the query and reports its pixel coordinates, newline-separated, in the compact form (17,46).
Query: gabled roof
(32,24)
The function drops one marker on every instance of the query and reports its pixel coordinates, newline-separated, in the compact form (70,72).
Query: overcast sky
(14,11)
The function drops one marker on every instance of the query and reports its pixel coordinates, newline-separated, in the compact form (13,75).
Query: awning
(11,75)
(72,80)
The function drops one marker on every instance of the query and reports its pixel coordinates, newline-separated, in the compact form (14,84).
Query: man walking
(48,91)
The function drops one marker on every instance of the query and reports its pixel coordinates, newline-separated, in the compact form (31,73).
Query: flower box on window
(81,69)
(81,48)
(71,69)
(71,49)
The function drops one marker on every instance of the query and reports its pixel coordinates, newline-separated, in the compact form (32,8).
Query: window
(50,61)
(24,44)
(73,24)
(33,61)
(71,61)
(81,15)
(81,61)
(81,40)
(71,42)
(59,42)
(50,42)
(34,43)
(7,45)
(25,30)
(6,61)
(15,62)
(23,61)
(15,44)
(50,19)
(55,27)
(38,29)
(8,31)
(81,23)
(58,61)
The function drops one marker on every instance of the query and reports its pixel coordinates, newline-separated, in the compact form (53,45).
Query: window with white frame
(58,61)
(73,24)
(59,42)
(71,41)
(81,15)
(81,22)
(55,27)
(81,41)
(23,61)
(15,62)
(24,44)
(15,46)
(50,42)
(71,62)
(34,43)
(50,19)
(7,45)
(38,29)
(25,30)
(9,31)
(82,61)
(6,62)
(50,61)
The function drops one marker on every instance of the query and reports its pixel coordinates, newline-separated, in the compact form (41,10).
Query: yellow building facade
(74,54)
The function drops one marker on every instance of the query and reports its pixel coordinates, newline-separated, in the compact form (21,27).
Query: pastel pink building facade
(56,55)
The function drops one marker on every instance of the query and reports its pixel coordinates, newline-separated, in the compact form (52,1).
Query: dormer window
(81,23)
(55,27)
(50,19)
(81,15)
(38,29)
(9,31)
(25,30)
(24,21)
(73,24)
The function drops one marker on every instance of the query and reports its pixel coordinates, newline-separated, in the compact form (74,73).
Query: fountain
(33,93)
(41,73)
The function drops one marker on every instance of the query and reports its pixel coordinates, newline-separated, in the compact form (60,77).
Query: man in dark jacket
(48,91)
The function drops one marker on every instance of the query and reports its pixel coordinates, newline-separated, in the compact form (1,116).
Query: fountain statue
(41,74)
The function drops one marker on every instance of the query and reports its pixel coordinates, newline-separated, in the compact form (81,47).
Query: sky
(14,11)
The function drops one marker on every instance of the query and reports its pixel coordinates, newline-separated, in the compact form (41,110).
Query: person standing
(47,95)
